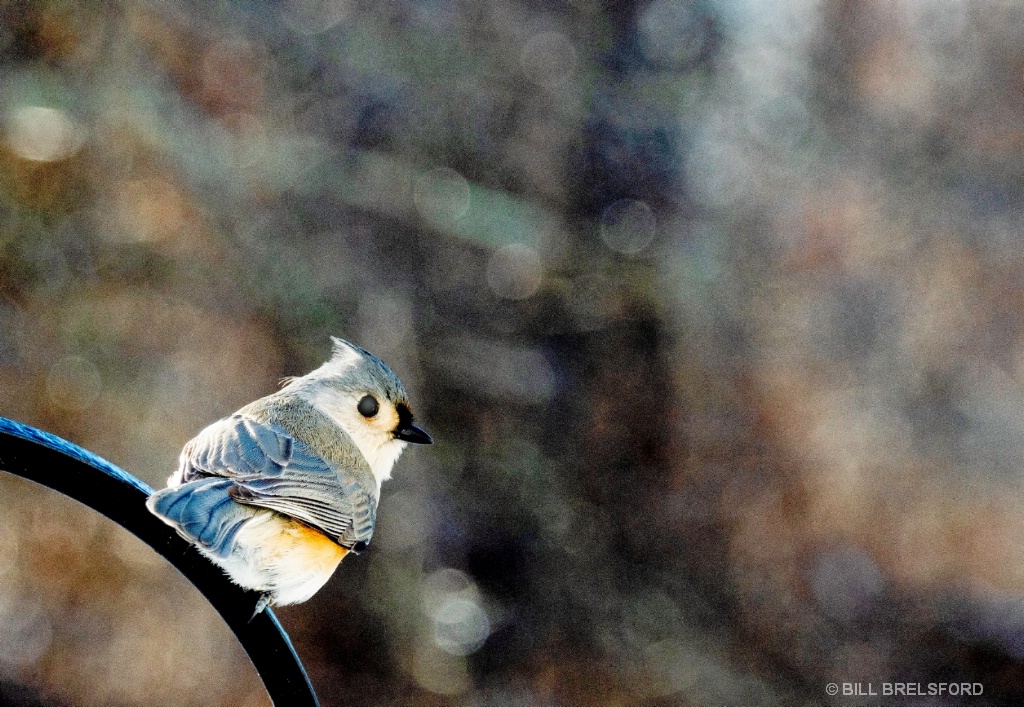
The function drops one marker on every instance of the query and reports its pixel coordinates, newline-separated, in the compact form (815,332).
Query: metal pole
(75,472)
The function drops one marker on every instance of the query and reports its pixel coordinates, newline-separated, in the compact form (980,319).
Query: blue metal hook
(75,472)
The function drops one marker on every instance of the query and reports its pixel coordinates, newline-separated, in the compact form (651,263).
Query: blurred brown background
(714,309)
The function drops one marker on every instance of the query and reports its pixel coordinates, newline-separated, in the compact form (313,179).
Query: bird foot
(260,605)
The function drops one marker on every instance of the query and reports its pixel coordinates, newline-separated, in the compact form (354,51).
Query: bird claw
(260,605)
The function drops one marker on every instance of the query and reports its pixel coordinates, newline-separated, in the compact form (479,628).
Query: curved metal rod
(65,467)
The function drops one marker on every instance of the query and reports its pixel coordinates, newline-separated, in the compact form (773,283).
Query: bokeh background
(715,310)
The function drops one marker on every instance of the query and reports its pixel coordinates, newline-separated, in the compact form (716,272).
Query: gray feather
(268,467)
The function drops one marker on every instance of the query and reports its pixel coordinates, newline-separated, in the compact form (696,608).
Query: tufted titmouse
(278,493)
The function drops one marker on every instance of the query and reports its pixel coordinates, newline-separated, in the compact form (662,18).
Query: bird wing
(271,469)
(203,513)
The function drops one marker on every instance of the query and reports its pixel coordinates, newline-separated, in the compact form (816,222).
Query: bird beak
(413,434)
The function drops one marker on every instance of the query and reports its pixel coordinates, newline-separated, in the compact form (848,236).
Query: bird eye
(368,406)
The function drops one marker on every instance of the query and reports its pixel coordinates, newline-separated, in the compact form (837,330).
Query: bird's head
(367,400)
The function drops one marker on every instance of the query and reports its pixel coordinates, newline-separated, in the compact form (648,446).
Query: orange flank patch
(312,548)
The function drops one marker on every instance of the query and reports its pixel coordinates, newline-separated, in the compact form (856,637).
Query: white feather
(380,449)
(270,555)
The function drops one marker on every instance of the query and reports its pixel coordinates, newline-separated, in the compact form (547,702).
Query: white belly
(281,557)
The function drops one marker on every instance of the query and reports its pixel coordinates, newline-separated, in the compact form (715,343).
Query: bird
(278,493)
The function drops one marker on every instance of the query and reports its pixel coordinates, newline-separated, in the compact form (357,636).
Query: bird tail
(203,513)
